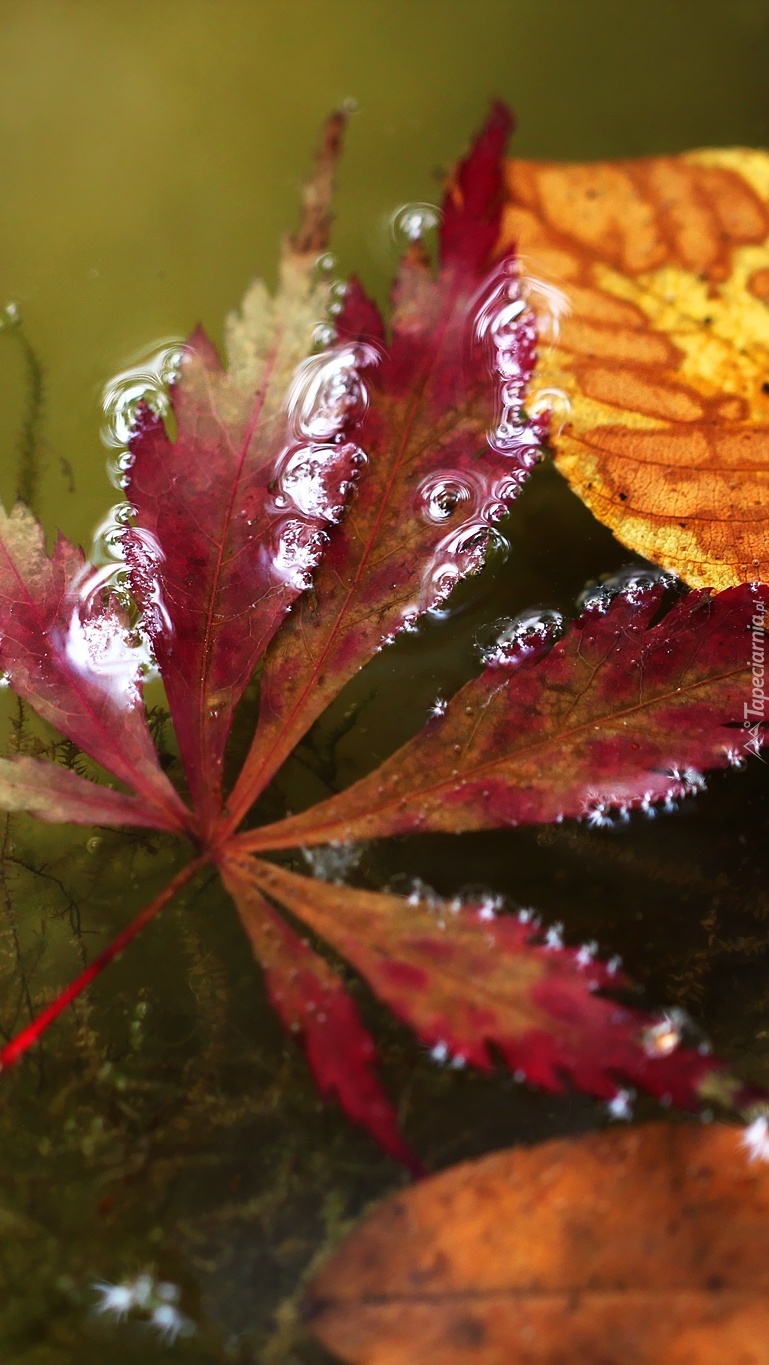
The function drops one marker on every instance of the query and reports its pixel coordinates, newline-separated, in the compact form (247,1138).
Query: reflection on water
(168,1171)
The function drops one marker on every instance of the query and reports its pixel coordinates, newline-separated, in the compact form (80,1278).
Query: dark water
(150,156)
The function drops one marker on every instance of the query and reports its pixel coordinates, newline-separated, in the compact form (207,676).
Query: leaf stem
(15,1049)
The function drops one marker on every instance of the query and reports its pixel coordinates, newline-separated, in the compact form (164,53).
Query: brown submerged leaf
(664,355)
(648,1246)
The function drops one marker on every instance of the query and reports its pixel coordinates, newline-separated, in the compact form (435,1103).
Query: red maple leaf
(312,505)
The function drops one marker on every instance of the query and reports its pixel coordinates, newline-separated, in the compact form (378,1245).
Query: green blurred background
(151,151)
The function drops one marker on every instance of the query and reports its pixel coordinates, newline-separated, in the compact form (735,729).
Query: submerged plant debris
(285,518)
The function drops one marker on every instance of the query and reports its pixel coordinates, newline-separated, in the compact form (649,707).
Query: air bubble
(662,1038)
(323,336)
(147,382)
(411,222)
(310,479)
(440,495)
(549,303)
(552,404)
(10,316)
(416,892)
(327,395)
(620,1106)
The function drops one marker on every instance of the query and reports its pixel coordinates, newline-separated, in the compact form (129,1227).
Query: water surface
(150,158)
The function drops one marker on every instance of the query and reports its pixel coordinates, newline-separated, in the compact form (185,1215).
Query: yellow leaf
(664,352)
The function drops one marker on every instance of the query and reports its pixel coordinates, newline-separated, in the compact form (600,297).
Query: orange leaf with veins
(664,354)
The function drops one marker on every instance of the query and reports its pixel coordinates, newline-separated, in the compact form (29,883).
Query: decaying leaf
(662,350)
(637,1247)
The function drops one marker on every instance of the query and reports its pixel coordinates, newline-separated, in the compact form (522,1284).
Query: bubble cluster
(99,641)
(315,471)
(469,505)
(416,892)
(508,327)
(147,382)
(333,862)
(478,899)
(514,637)
(327,394)
(632,582)
(155,1301)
